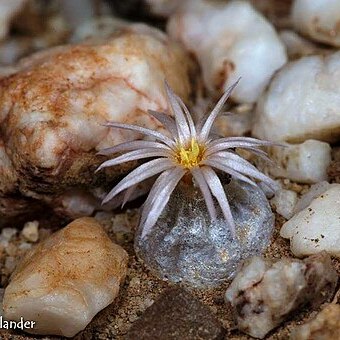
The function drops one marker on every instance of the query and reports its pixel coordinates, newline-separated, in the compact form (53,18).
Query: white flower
(190,150)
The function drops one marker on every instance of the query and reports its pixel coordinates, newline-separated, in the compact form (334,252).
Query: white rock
(303,163)
(285,201)
(230,41)
(317,227)
(64,281)
(264,293)
(315,190)
(302,102)
(318,19)
(30,231)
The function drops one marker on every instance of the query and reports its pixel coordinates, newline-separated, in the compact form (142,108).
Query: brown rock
(67,279)
(55,104)
(325,326)
(177,315)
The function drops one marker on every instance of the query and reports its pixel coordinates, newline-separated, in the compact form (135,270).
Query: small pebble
(317,227)
(7,234)
(302,101)
(284,202)
(304,163)
(30,231)
(325,326)
(264,293)
(176,314)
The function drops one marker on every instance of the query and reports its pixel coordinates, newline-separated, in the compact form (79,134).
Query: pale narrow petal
(181,122)
(255,141)
(133,156)
(161,201)
(217,163)
(218,191)
(144,131)
(262,154)
(231,145)
(241,165)
(188,116)
(127,194)
(133,145)
(204,133)
(160,184)
(202,184)
(166,120)
(138,175)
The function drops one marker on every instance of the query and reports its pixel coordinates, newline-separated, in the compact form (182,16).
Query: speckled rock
(317,227)
(263,293)
(325,326)
(184,246)
(177,315)
(64,281)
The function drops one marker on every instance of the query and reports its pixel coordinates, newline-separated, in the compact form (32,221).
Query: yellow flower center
(190,156)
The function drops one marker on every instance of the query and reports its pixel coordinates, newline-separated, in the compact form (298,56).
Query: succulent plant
(191,149)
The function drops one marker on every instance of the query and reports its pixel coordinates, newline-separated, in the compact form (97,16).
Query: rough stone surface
(284,202)
(184,246)
(263,293)
(318,19)
(177,315)
(64,281)
(304,163)
(325,326)
(55,104)
(30,231)
(235,41)
(317,227)
(302,102)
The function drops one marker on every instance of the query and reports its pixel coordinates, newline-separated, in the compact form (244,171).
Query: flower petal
(127,194)
(166,120)
(204,133)
(181,122)
(217,190)
(232,144)
(241,165)
(132,145)
(188,117)
(141,173)
(202,184)
(217,163)
(161,201)
(132,156)
(144,131)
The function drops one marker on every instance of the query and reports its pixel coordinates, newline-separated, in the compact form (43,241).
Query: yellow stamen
(190,156)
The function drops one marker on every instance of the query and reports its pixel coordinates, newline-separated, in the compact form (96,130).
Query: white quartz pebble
(316,227)
(303,163)
(302,102)
(63,282)
(284,202)
(318,19)
(230,41)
